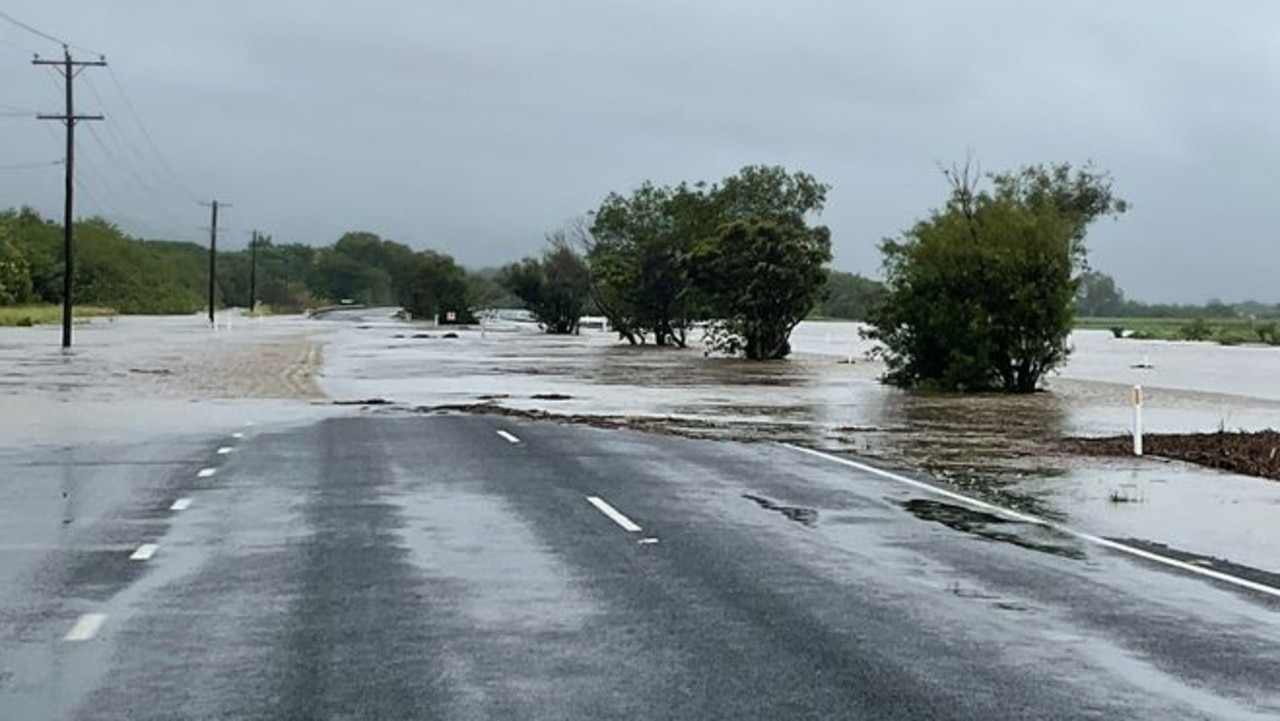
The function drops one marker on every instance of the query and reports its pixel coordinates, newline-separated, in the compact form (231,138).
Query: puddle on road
(994,528)
(799,514)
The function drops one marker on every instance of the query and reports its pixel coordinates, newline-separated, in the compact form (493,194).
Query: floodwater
(1000,448)
(137,375)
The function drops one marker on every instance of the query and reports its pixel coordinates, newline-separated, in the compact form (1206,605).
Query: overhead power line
(123,153)
(42,34)
(34,31)
(31,166)
(159,176)
(146,135)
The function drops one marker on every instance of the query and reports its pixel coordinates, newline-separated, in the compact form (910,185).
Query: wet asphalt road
(402,567)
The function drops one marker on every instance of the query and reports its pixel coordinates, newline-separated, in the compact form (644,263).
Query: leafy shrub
(1196,330)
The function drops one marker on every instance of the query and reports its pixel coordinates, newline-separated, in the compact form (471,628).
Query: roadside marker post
(1137,420)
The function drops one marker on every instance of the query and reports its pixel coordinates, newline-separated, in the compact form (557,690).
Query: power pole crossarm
(70,68)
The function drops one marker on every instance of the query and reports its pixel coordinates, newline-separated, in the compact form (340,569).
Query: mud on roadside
(1251,453)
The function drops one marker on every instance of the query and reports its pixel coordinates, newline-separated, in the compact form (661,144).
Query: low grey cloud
(474,126)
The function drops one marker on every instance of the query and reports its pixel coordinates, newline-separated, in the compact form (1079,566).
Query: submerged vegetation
(980,296)
(740,254)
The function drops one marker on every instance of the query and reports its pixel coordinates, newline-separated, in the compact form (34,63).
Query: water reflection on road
(826,396)
(1001,448)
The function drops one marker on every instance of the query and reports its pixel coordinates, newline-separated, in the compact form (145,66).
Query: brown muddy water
(817,397)
(1003,449)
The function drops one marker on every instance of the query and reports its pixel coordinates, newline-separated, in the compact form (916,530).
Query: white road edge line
(206,473)
(86,627)
(627,524)
(1015,515)
(181,504)
(145,552)
(509,438)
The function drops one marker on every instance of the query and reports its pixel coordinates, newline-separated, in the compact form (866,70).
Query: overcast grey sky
(474,126)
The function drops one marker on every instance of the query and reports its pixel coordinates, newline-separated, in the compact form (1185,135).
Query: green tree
(638,257)
(555,287)
(15,274)
(980,295)
(337,276)
(436,286)
(642,246)
(767,192)
(393,259)
(849,296)
(1098,295)
(40,243)
(759,268)
(763,277)
(484,290)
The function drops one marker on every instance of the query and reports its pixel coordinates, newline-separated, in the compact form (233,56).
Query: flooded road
(279,520)
(999,448)
(139,373)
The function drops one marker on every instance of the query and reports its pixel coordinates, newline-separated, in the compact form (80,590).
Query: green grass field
(31,315)
(1226,331)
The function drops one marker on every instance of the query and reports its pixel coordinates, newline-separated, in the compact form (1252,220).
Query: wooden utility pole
(213,258)
(69,68)
(253,272)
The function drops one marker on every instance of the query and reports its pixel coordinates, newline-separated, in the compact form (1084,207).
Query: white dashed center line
(181,504)
(627,524)
(237,435)
(224,450)
(508,437)
(206,473)
(144,552)
(86,627)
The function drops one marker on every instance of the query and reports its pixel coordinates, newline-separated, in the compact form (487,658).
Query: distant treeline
(137,276)
(1100,297)
(849,296)
(169,277)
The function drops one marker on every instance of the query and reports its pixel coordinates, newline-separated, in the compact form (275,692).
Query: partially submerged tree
(435,287)
(980,296)
(762,277)
(638,257)
(555,288)
(663,257)
(763,268)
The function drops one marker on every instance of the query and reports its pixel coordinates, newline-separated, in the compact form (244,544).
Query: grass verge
(31,315)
